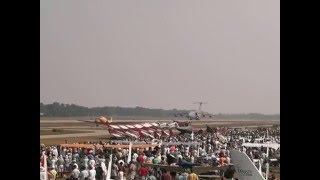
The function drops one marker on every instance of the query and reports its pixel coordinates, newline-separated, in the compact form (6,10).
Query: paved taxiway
(92,130)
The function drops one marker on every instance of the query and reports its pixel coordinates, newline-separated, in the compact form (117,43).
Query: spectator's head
(82,168)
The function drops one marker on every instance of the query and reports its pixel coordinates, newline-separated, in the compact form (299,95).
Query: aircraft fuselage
(194,115)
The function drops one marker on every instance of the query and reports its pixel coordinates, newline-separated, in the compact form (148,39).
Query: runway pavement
(162,120)
(101,130)
(84,134)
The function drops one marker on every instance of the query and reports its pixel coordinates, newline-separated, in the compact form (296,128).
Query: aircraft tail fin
(245,169)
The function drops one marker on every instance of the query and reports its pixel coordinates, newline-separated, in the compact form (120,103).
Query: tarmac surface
(91,129)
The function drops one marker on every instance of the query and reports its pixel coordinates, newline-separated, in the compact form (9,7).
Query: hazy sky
(162,54)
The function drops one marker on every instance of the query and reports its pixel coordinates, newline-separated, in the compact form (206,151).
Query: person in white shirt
(42,173)
(54,161)
(67,163)
(73,163)
(55,151)
(192,159)
(84,173)
(124,152)
(186,151)
(120,153)
(144,157)
(64,152)
(134,157)
(104,168)
(217,143)
(60,164)
(114,171)
(75,172)
(85,161)
(209,147)
(167,150)
(92,163)
(228,160)
(92,173)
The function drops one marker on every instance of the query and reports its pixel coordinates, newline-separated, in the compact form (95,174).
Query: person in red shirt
(143,172)
(140,158)
(165,175)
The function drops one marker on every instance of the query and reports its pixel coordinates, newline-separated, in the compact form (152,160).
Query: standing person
(151,176)
(55,151)
(140,160)
(75,172)
(143,172)
(92,173)
(132,170)
(165,175)
(134,157)
(60,164)
(67,163)
(85,161)
(114,171)
(42,173)
(228,174)
(99,173)
(54,162)
(185,176)
(84,173)
(104,168)
(179,176)
(192,176)
(92,162)
(155,160)
(52,173)
(121,171)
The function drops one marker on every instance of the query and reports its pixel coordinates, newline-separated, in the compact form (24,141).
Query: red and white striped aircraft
(152,130)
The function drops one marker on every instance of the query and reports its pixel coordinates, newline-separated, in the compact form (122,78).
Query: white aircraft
(245,168)
(195,114)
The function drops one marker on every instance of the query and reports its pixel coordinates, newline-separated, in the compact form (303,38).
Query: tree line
(71,110)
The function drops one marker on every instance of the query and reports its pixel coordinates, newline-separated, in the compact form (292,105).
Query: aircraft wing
(181,114)
(166,167)
(184,130)
(207,114)
(87,121)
